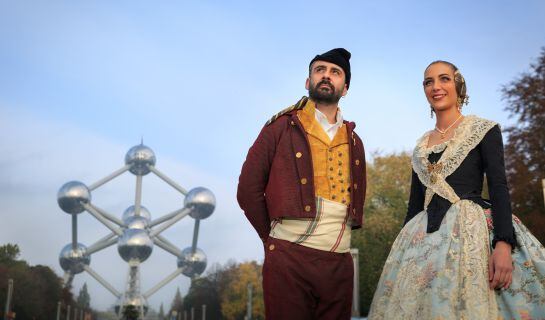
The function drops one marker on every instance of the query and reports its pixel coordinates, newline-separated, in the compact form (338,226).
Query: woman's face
(440,87)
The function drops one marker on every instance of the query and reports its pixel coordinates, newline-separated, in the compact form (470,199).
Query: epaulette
(298,106)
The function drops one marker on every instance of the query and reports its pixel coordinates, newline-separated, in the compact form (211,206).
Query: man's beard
(318,95)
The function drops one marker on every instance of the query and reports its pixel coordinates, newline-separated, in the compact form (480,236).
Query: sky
(81,82)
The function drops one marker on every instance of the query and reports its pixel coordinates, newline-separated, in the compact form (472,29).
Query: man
(302,187)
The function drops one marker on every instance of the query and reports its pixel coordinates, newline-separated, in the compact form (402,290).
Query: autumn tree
(525,147)
(388,180)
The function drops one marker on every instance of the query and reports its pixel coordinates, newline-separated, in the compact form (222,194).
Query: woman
(459,256)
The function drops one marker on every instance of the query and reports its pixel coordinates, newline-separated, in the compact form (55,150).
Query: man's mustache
(329,84)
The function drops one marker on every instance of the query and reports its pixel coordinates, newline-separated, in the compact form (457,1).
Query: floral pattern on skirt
(444,274)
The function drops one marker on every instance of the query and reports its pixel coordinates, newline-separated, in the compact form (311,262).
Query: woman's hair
(459,82)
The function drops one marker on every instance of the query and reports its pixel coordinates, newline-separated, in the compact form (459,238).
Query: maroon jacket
(269,184)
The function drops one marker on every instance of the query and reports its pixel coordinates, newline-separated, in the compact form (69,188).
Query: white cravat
(329,128)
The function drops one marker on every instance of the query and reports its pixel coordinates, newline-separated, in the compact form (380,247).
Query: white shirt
(329,128)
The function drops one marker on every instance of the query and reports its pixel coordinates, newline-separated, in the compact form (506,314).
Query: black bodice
(467,181)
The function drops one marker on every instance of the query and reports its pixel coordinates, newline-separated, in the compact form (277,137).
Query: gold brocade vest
(330,158)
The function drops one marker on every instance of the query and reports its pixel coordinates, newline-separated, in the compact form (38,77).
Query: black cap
(338,56)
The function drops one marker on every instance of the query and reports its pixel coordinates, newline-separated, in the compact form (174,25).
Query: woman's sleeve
(494,167)
(416,199)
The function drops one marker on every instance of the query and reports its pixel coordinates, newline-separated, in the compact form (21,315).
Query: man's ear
(307,84)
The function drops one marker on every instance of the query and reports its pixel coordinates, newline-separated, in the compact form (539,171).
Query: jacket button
(292,123)
(355,186)
(307,208)
(333,186)
(340,154)
(271,247)
(298,155)
(344,201)
(333,197)
(357,162)
(304,181)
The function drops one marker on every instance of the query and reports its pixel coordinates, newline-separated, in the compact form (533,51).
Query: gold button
(330,150)
(298,155)
(307,208)
(304,181)
(330,159)
(340,162)
(355,186)
(341,180)
(357,162)
(333,196)
(340,154)
(330,168)
(333,186)
(343,201)
(342,190)
(330,178)
(354,210)
(292,123)
(340,173)
(271,247)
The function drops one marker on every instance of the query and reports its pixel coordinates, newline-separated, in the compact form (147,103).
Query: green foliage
(9,253)
(36,289)
(524,150)
(388,181)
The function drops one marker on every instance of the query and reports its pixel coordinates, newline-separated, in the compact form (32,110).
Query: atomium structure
(136,233)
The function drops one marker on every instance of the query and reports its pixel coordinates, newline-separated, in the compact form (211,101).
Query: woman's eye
(445,79)
(427,82)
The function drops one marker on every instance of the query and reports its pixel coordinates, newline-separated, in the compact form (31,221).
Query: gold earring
(431,112)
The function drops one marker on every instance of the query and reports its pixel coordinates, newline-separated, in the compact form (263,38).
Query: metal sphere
(192,264)
(139,158)
(72,195)
(201,201)
(132,301)
(135,245)
(130,211)
(136,222)
(73,260)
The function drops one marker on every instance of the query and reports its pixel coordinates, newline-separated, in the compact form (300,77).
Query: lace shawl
(466,137)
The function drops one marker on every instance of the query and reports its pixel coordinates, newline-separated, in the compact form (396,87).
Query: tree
(84,300)
(161,315)
(9,253)
(177,303)
(37,289)
(388,180)
(202,292)
(525,147)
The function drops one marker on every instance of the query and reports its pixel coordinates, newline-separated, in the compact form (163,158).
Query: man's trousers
(302,283)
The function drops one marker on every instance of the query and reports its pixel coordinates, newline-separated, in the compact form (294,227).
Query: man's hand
(500,266)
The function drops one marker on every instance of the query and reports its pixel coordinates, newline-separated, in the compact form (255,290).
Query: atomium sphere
(72,195)
(136,222)
(192,264)
(139,158)
(130,211)
(135,245)
(201,201)
(73,261)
